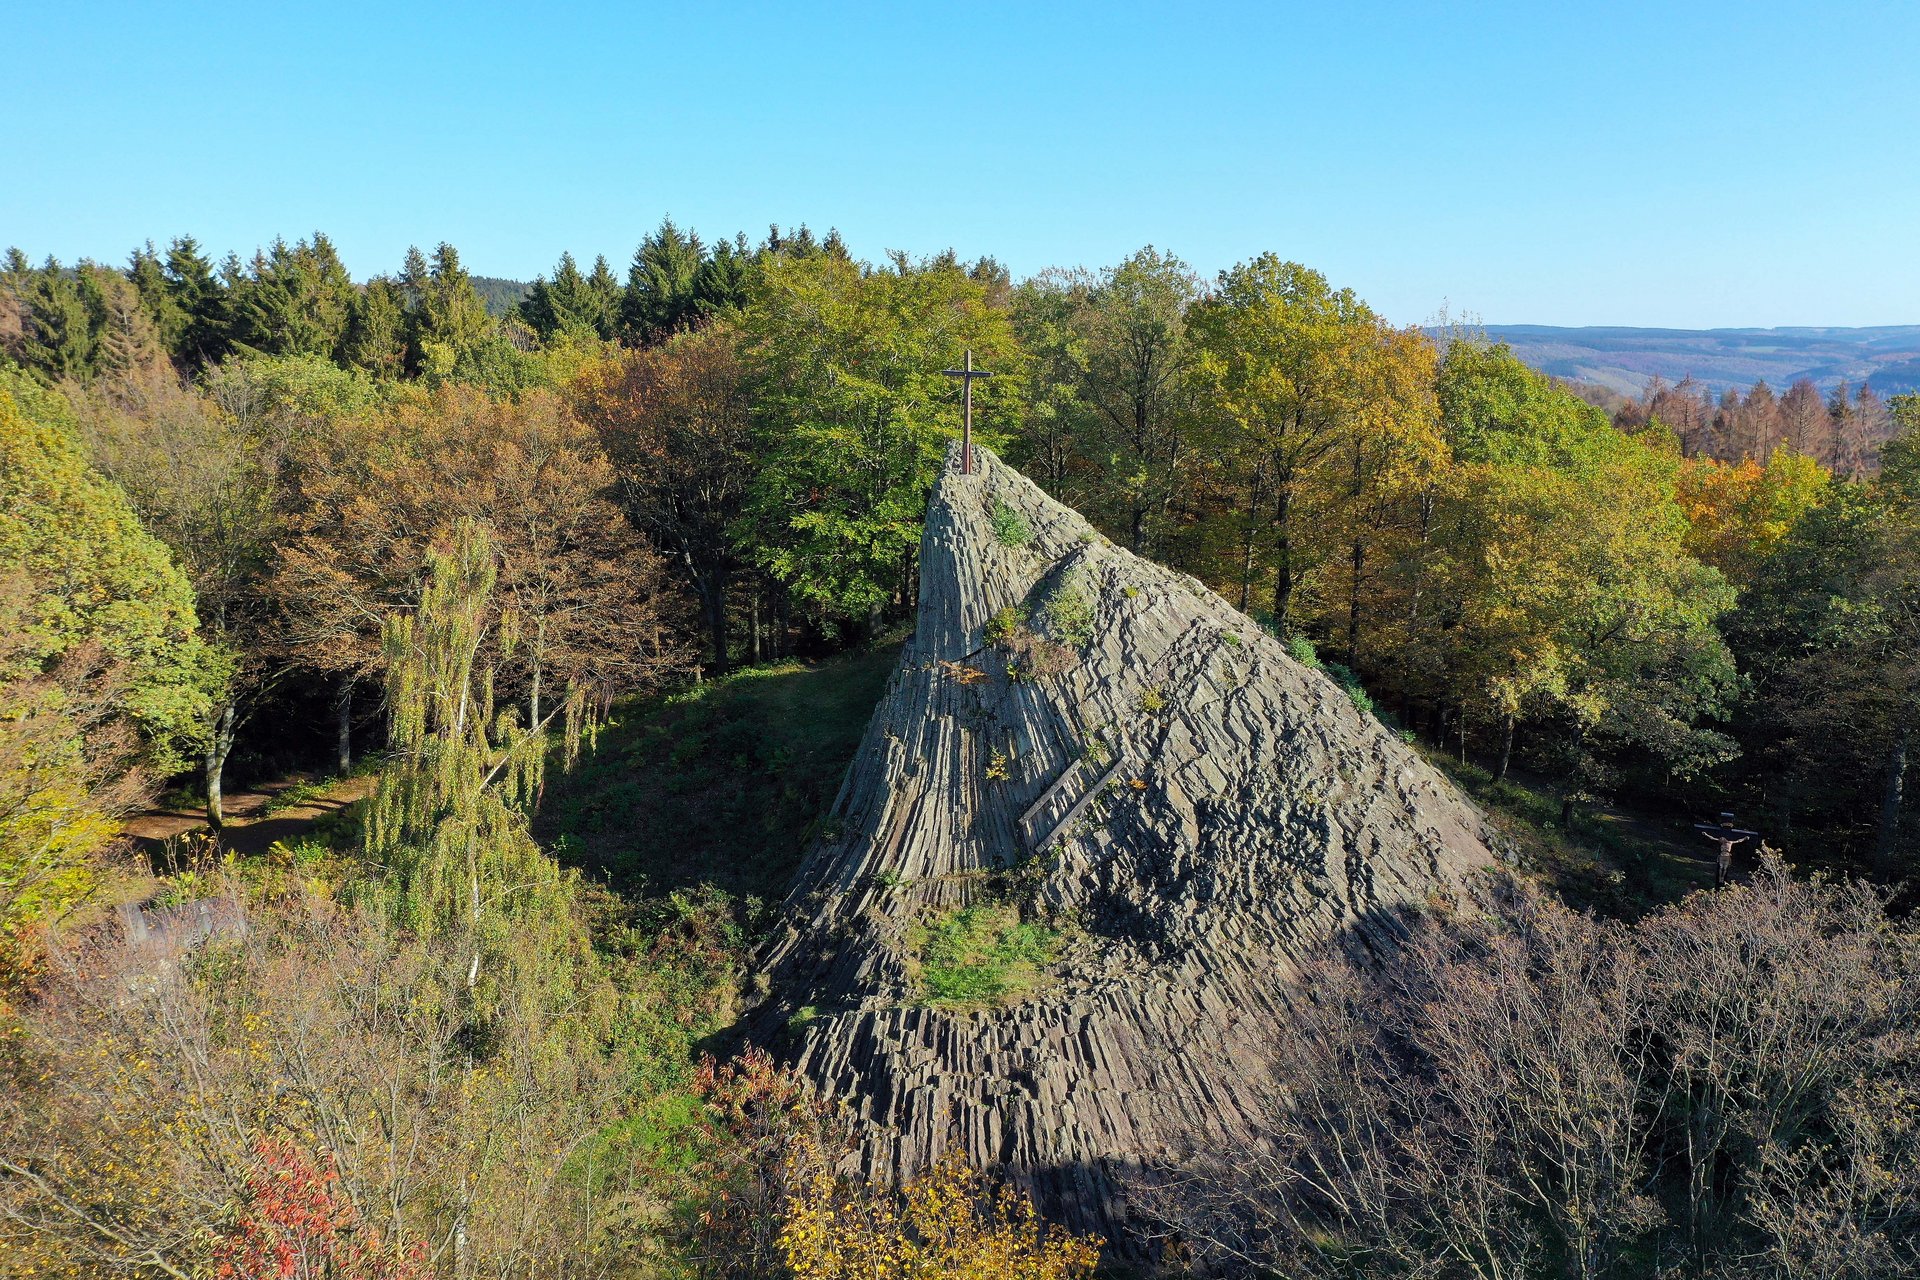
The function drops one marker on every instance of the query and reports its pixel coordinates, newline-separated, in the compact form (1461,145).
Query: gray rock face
(1193,810)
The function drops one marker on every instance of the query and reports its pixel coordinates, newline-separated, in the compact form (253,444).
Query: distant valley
(1626,359)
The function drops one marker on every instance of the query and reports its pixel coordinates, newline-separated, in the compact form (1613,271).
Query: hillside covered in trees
(1624,360)
(530,560)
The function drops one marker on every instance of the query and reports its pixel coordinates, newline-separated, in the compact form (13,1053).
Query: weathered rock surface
(1196,809)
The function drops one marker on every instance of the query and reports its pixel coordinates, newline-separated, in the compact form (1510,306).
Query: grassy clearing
(982,956)
(718,786)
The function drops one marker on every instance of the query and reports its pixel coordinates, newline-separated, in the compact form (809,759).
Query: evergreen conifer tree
(660,285)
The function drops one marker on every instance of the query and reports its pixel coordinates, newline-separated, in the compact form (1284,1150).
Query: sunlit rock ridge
(1191,810)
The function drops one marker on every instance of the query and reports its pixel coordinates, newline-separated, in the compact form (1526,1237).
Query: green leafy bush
(1357,692)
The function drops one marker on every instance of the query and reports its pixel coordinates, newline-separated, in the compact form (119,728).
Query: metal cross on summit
(966,376)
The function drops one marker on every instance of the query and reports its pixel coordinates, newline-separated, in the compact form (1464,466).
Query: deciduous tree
(676,421)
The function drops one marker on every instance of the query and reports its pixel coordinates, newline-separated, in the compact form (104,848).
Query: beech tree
(97,575)
(676,421)
(1288,364)
(1738,512)
(588,599)
(1116,345)
(1563,577)
(855,419)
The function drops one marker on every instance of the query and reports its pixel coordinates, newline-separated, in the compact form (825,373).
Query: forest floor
(283,811)
(721,785)
(1613,859)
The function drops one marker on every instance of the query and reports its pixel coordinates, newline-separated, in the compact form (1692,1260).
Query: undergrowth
(1600,860)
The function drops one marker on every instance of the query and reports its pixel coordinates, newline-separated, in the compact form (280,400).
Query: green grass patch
(981,956)
(297,794)
(720,785)
(1010,528)
(669,1134)
(1065,613)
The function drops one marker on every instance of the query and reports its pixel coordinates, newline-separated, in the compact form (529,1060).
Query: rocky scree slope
(1178,811)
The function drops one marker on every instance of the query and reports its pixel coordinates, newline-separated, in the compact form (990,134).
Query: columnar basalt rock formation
(1107,747)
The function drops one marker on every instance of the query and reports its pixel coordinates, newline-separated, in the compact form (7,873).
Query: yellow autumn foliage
(950,1223)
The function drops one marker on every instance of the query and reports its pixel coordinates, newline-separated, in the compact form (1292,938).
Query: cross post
(966,376)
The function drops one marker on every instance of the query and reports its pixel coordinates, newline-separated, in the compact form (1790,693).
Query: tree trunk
(219,743)
(343,726)
(1283,558)
(1506,750)
(713,603)
(1358,561)
(1891,800)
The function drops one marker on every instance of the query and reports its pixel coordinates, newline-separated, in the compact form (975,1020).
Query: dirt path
(253,824)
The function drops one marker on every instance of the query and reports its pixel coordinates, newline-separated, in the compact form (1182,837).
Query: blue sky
(1683,164)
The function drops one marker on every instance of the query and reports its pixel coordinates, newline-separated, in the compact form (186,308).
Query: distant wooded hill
(498,295)
(1625,360)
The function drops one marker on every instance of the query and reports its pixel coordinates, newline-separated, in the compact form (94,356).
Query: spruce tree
(725,278)
(563,305)
(660,285)
(201,296)
(149,277)
(58,332)
(376,337)
(449,320)
(603,292)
